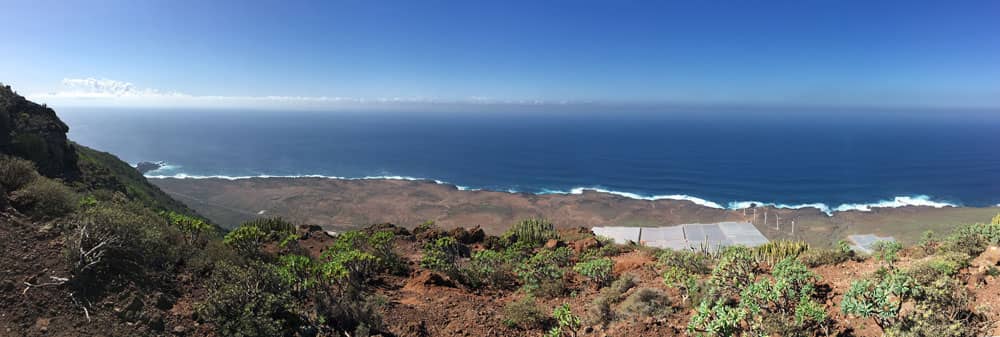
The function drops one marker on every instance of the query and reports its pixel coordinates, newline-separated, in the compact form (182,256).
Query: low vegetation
(260,279)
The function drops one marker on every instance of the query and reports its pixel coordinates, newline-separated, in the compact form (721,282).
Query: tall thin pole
(777,222)
(765,218)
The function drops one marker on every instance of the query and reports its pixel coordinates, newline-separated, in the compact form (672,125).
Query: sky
(371,53)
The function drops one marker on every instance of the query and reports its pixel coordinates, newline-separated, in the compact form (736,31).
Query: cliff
(34,132)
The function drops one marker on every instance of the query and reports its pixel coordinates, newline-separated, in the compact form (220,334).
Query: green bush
(524,314)
(490,268)
(690,261)
(820,257)
(600,310)
(45,198)
(249,236)
(880,299)
(781,305)
(542,275)
(773,252)
(192,227)
(440,255)
(943,266)
(121,239)
(686,282)
(645,302)
(348,268)
(972,240)
(942,308)
(533,231)
(16,172)
(599,271)
(887,252)
(248,301)
(735,269)
(567,324)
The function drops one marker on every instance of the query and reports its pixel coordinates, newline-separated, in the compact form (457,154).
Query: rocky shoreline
(346,204)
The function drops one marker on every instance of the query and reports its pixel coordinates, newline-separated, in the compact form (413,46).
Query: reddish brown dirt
(33,253)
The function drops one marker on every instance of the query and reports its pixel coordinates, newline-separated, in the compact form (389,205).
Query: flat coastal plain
(341,204)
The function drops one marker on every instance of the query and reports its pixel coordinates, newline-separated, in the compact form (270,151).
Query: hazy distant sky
(370,52)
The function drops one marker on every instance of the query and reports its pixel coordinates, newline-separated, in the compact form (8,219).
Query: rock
(425,278)
(583,245)
(989,258)
(553,244)
(42,324)
(179,330)
(147,166)
(34,132)
(164,302)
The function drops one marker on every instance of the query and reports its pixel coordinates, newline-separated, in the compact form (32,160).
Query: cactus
(534,231)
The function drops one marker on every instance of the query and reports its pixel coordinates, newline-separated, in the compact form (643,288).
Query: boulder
(583,245)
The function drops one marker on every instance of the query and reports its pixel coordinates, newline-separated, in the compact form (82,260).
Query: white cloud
(109,92)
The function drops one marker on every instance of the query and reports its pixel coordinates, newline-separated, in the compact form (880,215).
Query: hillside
(88,247)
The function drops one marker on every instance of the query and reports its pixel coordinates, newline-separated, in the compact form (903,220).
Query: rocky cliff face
(34,132)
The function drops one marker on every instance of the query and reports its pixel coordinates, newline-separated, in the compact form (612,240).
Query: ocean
(728,158)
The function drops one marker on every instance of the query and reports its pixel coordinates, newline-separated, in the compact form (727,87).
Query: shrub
(645,302)
(297,271)
(973,239)
(819,257)
(775,251)
(248,237)
(348,268)
(440,255)
(45,198)
(781,305)
(193,228)
(597,270)
(248,301)
(600,311)
(938,267)
(524,314)
(736,268)
(942,308)
(566,322)
(245,239)
(684,281)
(533,231)
(716,318)
(887,252)
(540,275)
(490,268)
(16,172)
(879,299)
(690,261)
(120,239)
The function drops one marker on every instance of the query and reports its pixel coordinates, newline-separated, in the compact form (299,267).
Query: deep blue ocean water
(719,157)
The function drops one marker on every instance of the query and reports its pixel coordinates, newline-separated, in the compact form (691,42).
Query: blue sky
(329,54)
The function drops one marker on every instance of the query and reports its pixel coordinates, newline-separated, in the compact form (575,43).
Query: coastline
(918,200)
(350,202)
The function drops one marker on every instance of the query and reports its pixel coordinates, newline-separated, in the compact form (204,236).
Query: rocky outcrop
(34,132)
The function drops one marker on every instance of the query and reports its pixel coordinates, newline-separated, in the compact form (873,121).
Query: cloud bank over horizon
(104,92)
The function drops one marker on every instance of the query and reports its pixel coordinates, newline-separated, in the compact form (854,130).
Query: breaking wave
(895,202)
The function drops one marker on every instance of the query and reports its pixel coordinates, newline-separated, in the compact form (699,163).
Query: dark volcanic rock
(147,166)
(34,132)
